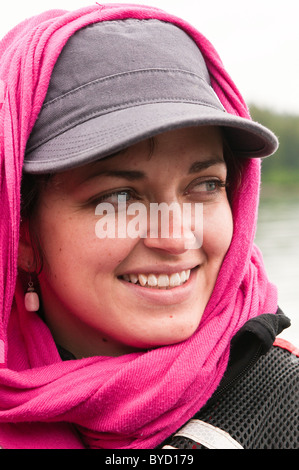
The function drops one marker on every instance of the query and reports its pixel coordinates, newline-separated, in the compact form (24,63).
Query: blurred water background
(278,237)
(278,224)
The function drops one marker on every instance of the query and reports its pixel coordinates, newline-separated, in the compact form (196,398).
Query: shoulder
(286,345)
(281,367)
(261,409)
(257,409)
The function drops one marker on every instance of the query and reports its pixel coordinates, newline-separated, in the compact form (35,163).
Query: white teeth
(142,279)
(152,280)
(175,280)
(163,280)
(160,280)
(133,278)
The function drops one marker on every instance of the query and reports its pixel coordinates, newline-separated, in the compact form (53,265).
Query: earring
(31,298)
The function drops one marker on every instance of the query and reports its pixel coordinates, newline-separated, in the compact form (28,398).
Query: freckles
(115,250)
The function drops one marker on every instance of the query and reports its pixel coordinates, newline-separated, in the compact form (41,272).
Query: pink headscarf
(136,400)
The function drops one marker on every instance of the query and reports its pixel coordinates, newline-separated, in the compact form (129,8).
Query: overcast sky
(258,41)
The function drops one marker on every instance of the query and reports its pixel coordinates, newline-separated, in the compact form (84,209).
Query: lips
(158,281)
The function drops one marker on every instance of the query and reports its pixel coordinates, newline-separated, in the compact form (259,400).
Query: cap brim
(98,137)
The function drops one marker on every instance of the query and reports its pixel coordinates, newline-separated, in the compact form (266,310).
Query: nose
(169,230)
(168,245)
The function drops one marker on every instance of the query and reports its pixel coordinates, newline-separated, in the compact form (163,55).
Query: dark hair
(31,188)
(234,170)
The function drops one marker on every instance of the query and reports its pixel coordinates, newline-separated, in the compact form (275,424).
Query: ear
(26,257)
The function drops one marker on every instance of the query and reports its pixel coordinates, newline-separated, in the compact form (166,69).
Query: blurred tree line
(282,168)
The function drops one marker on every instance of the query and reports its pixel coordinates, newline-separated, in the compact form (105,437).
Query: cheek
(70,246)
(218,231)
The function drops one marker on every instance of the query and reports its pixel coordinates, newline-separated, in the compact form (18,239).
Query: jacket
(256,403)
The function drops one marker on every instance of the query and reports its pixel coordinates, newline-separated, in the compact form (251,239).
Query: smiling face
(112,296)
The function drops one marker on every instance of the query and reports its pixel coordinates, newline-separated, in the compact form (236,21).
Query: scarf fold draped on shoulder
(136,400)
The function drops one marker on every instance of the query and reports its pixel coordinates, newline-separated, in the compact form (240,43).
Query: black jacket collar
(253,340)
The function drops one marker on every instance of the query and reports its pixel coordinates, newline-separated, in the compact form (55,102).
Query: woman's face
(92,302)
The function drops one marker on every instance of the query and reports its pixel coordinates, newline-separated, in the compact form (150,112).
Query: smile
(158,281)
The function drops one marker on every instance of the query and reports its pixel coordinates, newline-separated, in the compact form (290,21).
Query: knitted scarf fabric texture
(135,400)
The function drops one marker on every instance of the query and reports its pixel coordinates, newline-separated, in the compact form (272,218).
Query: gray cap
(119,82)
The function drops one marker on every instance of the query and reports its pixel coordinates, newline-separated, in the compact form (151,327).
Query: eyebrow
(203,165)
(134,175)
(130,175)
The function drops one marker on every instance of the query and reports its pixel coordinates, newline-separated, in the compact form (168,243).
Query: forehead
(180,147)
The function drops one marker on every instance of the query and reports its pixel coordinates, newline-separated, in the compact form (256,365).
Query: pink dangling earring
(31,298)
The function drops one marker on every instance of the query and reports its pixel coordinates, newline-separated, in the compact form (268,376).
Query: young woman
(118,123)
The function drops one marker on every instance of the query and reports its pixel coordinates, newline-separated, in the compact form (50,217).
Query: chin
(177,335)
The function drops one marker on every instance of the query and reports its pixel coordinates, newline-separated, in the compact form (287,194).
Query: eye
(206,187)
(123,196)
(115,197)
(210,185)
